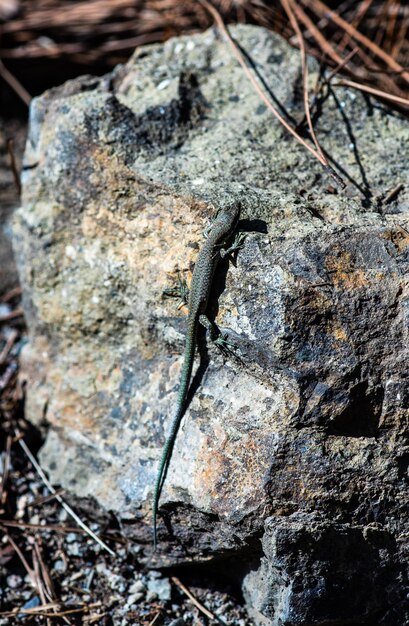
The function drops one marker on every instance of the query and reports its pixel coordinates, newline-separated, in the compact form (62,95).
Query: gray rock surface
(320,572)
(302,439)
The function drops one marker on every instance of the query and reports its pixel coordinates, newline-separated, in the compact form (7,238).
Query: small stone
(117,582)
(14,581)
(22,502)
(59,566)
(31,604)
(158,588)
(135,597)
(4,309)
(74,549)
(136,587)
(101,568)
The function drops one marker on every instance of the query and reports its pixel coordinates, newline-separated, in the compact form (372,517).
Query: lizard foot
(217,337)
(180,290)
(237,244)
(225,346)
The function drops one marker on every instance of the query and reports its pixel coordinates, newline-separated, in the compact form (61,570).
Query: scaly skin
(217,235)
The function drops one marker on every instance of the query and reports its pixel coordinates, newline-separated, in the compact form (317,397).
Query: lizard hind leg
(180,290)
(216,336)
(236,245)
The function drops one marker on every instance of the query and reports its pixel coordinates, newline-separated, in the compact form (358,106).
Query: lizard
(217,234)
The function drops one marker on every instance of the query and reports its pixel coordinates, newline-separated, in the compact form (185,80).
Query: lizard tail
(181,406)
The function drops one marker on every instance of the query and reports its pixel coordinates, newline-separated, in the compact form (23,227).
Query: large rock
(304,433)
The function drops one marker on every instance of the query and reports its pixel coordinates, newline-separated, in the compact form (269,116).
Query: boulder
(297,438)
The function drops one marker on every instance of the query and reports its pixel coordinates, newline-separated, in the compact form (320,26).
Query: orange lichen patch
(68,417)
(399,237)
(305,492)
(221,315)
(107,379)
(233,475)
(339,333)
(113,176)
(312,301)
(66,413)
(113,179)
(343,273)
(380,276)
(213,464)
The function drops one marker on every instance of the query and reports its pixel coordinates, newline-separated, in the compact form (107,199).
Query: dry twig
(288,7)
(374,92)
(13,166)
(16,86)
(12,315)
(31,573)
(95,32)
(6,467)
(393,193)
(57,497)
(324,10)
(236,51)
(9,344)
(13,293)
(194,600)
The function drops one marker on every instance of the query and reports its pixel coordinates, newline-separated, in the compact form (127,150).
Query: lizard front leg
(180,290)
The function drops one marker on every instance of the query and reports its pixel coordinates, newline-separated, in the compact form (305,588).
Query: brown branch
(29,570)
(340,66)
(57,529)
(362,10)
(40,584)
(324,45)
(9,344)
(393,194)
(12,315)
(323,9)
(6,468)
(13,293)
(400,38)
(41,611)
